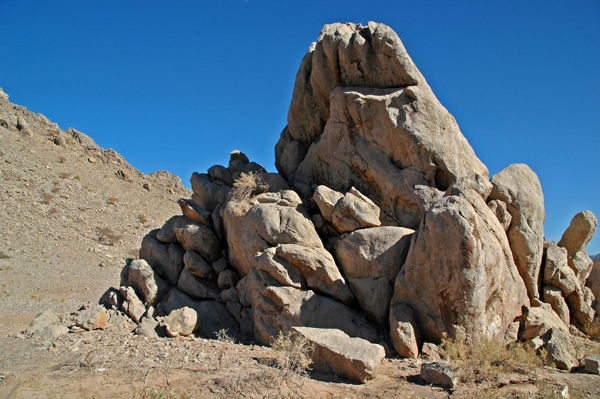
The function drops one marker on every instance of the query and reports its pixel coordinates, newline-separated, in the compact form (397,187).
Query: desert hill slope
(58,190)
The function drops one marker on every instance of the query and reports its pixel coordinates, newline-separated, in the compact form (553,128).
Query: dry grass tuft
(483,360)
(112,201)
(142,218)
(593,329)
(154,393)
(64,175)
(248,185)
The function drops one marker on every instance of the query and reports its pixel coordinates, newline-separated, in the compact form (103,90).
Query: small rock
(92,160)
(592,365)
(92,318)
(430,352)
(440,373)
(42,320)
(227,279)
(181,322)
(51,331)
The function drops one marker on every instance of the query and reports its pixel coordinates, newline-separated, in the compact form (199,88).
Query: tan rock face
(404,332)
(579,233)
(181,321)
(354,211)
(460,272)
(278,308)
(519,188)
(333,351)
(379,125)
(265,221)
(371,259)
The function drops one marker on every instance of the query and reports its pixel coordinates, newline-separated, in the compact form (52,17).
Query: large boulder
(335,352)
(279,308)
(365,116)
(557,271)
(147,284)
(593,283)
(166,257)
(208,193)
(579,233)
(266,220)
(305,267)
(371,259)
(201,239)
(519,188)
(460,272)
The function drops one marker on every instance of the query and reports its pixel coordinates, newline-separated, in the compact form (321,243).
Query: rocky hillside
(71,212)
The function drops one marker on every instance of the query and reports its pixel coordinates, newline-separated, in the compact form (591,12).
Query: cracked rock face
(366,117)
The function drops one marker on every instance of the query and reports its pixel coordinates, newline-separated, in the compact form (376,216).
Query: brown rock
(334,351)
(201,239)
(371,259)
(519,188)
(354,211)
(404,331)
(181,322)
(465,272)
(326,199)
(579,233)
(92,318)
(150,287)
(194,212)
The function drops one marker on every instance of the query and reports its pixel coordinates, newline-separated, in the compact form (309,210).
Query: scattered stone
(334,351)
(430,352)
(440,373)
(42,320)
(181,322)
(132,305)
(147,328)
(93,318)
(51,331)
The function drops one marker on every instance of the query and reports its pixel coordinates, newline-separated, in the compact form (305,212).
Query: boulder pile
(381,222)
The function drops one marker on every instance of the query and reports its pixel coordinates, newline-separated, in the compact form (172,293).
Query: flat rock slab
(353,358)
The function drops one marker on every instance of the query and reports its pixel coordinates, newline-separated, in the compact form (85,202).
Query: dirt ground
(54,199)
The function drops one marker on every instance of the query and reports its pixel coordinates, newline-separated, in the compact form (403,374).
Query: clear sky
(177,85)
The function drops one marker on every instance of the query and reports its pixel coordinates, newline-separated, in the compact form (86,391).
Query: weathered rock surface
(265,221)
(305,267)
(149,286)
(132,305)
(326,199)
(371,259)
(281,308)
(93,318)
(167,257)
(197,287)
(194,212)
(553,296)
(46,318)
(460,271)
(557,272)
(404,332)
(181,321)
(354,211)
(579,233)
(380,127)
(593,283)
(334,351)
(196,265)
(519,188)
(201,239)
(440,373)
(208,194)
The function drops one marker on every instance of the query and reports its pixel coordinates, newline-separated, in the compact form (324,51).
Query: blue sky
(177,85)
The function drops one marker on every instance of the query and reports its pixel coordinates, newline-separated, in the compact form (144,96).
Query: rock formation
(381,218)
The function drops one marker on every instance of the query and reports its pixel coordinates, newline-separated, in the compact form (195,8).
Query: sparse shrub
(4,256)
(592,329)
(292,356)
(142,218)
(112,201)
(47,197)
(108,236)
(483,360)
(64,175)
(77,177)
(248,185)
